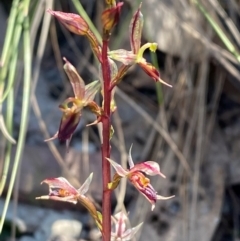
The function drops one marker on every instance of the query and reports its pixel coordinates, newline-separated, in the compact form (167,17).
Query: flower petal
(152,72)
(76,81)
(130,160)
(150,168)
(97,110)
(114,184)
(164,198)
(73,22)
(60,190)
(60,183)
(70,199)
(113,70)
(130,233)
(120,223)
(123,56)
(68,124)
(55,136)
(90,91)
(142,184)
(120,171)
(84,188)
(135,30)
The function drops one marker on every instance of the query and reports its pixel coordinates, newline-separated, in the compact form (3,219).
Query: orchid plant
(109,77)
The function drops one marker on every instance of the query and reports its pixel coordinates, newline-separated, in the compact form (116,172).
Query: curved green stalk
(85,16)
(9,121)
(25,105)
(158,85)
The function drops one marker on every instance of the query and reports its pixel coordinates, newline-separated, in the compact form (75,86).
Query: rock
(231,135)
(147,233)
(38,224)
(94,234)
(164,23)
(65,229)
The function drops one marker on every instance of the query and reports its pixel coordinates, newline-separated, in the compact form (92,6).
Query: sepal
(150,70)
(115,182)
(123,56)
(135,30)
(76,81)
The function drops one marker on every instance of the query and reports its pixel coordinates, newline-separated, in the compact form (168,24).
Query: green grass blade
(9,32)
(4,130)
(25,105)
(219,31)
(41,44)
(13,63)
(9,121)
(16,27)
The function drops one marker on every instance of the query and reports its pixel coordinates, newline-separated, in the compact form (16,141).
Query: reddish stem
(106,171)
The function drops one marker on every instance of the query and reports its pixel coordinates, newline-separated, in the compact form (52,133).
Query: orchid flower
(135,56)
(120,233)
(61,190)
(72,107)
(135,175)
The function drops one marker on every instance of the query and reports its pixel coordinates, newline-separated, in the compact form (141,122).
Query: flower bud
(73,22)
(110,17)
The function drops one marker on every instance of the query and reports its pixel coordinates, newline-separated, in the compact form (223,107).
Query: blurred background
(192,129)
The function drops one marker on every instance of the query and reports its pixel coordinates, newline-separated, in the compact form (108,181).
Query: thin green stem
(158,85)
(9,121)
